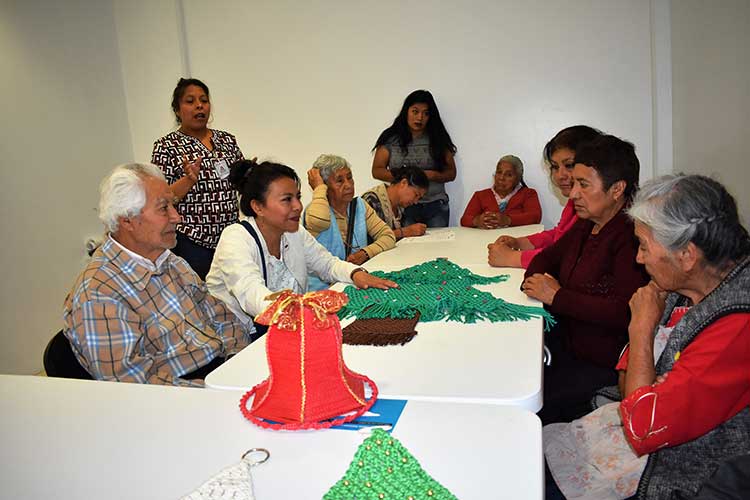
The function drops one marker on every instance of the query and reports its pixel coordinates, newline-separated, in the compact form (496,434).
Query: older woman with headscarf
(340,222)
(685,377)
(509,202)
(587,278)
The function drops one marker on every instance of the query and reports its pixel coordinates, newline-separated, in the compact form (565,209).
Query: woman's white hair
(328,164)
(681,209)
(122,193)
(515,162)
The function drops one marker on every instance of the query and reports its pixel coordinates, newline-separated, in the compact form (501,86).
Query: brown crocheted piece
(386,331)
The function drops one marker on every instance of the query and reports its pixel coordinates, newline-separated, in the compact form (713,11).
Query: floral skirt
(590,458)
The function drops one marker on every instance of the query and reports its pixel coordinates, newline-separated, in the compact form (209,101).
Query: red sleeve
(473,209)
(527,210)
(708,384)
(546,238)
(607,310)
(622,364)
(528,255)
(548,259)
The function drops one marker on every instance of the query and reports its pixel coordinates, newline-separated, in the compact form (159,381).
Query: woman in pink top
(559,153)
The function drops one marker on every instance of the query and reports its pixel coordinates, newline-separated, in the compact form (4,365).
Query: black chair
(59,360)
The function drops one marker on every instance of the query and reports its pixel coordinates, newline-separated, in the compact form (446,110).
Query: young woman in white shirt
(268,251)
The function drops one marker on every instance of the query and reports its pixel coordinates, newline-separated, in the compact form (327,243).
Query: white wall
(64,127)
(292,80)
(150,41)
(711,92)
(91,81)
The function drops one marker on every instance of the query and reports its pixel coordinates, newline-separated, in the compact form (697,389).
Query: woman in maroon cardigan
(587,278)
(508,203)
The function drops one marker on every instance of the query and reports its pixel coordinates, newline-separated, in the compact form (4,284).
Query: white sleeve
(324,264)
(237,260)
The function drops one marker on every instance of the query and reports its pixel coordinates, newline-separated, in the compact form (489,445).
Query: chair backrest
(59,360)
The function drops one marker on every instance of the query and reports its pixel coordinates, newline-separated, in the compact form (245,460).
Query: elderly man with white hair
(137,312)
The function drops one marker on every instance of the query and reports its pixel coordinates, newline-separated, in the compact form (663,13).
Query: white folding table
(73,439)
(484,362)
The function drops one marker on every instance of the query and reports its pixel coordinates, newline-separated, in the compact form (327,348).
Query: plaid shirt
(132,321)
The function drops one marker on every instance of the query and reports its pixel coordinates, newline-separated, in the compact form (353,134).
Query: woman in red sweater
(587,278)
(508,203)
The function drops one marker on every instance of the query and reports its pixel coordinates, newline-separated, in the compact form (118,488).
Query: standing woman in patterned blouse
(418,138)
(195,160)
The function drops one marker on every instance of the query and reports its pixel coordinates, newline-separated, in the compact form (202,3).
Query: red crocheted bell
(309,385)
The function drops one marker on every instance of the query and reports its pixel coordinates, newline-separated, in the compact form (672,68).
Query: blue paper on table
(385,412)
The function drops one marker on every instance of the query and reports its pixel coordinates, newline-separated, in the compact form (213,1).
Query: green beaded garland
(376,476)
(437,290)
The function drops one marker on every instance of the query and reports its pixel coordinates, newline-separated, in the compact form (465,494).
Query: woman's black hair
(614,160)
(252,180)
(570,138)
(414,176)
(440,140)
(180,89)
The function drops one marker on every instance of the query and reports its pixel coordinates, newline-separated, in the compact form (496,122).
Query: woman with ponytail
(267,251)
(195,160)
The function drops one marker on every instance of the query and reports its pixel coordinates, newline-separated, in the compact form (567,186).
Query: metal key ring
(257,450)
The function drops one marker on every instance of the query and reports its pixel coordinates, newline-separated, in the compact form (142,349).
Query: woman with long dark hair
(418,138)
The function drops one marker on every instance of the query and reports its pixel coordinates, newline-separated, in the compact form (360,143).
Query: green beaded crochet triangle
(383,469)
(437,290)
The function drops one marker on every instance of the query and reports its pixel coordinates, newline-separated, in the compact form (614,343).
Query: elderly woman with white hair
(356,223)
(509,202)
(684,376)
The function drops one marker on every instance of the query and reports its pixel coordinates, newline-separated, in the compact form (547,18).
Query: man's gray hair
(680,209)
(328,164)
(122,193)
(516,162)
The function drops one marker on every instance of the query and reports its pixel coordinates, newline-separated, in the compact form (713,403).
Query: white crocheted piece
(232,483)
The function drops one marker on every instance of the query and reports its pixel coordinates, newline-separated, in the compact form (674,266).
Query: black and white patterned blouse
(211,204)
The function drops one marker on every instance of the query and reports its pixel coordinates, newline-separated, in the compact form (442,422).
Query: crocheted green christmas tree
(437,290)
(382,468)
